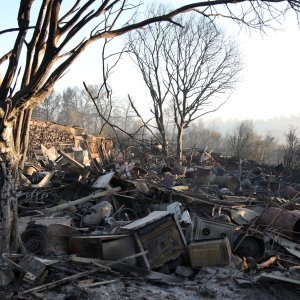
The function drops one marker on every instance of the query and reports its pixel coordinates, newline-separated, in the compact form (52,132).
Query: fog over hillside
(278,126)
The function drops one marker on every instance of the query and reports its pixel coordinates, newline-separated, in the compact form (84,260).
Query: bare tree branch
(195,63)
(14,29)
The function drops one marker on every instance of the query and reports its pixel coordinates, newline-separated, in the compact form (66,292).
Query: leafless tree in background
(52,41)
(146,47)
(73,107)
(241,140)
(262,147)
(201,64)
(291,150)
(190,66)
(49,108)
(203,136)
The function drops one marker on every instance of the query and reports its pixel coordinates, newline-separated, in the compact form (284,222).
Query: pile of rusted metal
(89,221)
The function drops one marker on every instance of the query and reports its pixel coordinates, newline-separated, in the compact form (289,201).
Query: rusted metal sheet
(288,222)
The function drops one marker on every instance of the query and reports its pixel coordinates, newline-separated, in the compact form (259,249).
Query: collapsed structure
(213,227)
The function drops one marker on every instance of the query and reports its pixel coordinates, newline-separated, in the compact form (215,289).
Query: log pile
(44,133)
(62,137)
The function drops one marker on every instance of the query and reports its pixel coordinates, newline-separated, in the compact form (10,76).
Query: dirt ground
(209,283)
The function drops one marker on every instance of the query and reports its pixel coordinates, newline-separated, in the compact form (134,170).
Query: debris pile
(89,223)
(54,137)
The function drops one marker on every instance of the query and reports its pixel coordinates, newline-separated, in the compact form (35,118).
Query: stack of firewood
(49,137)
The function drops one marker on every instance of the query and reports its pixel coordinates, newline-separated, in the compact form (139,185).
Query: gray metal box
(207,229)
(209,253)
(160,235)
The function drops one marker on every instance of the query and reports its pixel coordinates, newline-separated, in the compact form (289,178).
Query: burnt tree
(189,66)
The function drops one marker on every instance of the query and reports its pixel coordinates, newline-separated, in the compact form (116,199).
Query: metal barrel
(227,181)
(288,222)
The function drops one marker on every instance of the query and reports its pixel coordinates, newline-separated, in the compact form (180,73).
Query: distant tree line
(74,107)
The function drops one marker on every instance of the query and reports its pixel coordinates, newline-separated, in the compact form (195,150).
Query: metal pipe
(81,200)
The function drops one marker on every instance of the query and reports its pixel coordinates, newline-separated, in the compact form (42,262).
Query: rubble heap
(49,135)
(122,230)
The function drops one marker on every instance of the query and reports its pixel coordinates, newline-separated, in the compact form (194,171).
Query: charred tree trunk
(9,214)
(9,160)
(165,146)
(164,140)
(25,136)
(179,141)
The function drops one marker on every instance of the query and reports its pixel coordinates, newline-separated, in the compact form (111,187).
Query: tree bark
(179,141)
(9,162)
(9,234)
(164,144)
(25,136)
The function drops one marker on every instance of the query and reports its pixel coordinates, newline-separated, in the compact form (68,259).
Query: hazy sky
(270,80)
